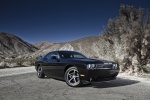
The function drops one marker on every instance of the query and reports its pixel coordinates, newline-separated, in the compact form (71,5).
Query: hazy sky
(59,20)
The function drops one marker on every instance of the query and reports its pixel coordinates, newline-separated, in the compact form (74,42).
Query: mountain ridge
(11,45)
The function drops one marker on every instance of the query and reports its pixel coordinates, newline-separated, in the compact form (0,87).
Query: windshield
(71,54)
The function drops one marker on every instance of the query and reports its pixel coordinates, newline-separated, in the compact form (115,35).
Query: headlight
(91,66)
(115,66)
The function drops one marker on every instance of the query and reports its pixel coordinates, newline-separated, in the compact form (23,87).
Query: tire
(72,77)
(40,73)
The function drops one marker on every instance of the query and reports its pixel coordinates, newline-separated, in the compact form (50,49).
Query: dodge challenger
(75,68)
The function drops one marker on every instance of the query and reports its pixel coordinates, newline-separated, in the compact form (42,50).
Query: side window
(49,55)
(77,56)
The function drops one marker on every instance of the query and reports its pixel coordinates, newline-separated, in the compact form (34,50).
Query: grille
(106,66)
(102,66)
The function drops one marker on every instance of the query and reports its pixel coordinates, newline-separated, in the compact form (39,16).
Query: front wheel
(40,73)
(72,77)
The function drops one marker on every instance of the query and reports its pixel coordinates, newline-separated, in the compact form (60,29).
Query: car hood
(87,60)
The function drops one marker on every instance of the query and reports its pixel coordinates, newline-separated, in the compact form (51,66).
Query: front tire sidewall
(79,83)
(40,73)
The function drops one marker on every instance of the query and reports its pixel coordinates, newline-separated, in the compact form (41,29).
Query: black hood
(87,60)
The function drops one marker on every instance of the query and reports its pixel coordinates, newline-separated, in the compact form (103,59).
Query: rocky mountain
(43,45)
(13,45)
(85,45)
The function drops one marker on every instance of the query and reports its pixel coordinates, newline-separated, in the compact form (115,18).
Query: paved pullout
(26,86)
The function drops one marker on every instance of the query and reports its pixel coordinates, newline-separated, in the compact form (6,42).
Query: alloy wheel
(40,73)
(72,77)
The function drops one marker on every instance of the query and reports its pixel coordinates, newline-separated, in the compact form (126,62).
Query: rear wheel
(40,73)
(72,77)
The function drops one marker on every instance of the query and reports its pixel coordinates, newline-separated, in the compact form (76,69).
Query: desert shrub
(94,57)
(22,61)
(16,62)
(5,65)
(19,61)
(146,69)
(131,20)
(32,61)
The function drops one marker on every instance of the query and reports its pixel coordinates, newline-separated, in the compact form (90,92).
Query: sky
(59,20)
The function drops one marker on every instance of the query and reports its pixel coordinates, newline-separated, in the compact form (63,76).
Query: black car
(75,68)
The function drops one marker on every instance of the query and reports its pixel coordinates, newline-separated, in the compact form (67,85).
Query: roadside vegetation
(18,62)
(131,30)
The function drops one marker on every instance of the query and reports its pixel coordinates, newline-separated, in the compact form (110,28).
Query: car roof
(64,51)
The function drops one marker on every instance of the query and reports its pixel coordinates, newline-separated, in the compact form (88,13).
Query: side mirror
(54,57)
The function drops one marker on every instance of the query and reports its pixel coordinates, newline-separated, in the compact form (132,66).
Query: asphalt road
(28,87)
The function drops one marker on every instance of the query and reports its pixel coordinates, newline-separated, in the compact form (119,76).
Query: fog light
(91,66)
(82,75)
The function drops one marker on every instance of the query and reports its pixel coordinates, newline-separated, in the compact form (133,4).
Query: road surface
(24,85)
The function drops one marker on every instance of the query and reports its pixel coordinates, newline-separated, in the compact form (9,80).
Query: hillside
(13,45)
(43,45)
(81,45)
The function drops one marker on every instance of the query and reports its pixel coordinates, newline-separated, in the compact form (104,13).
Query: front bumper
(98,75)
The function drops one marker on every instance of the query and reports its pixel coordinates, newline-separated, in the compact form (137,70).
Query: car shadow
(114,83)
(118,82)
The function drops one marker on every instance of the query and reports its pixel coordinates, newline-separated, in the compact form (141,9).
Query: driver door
(50,64)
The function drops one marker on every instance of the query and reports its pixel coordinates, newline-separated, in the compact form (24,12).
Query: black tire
(72,77)
(40,73)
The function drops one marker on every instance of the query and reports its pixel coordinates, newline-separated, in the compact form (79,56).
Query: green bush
(146,69)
